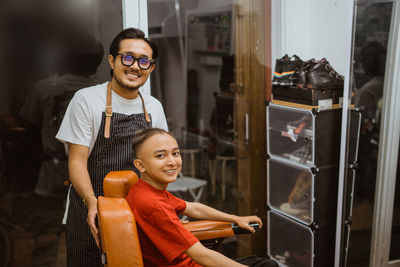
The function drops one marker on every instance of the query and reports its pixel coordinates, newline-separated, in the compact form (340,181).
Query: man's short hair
(132,33)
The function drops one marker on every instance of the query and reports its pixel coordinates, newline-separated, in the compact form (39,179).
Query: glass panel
(48,56)
(395,237)
(371,40)
(196,80)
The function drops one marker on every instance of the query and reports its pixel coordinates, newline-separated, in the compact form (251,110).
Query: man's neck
(124,92)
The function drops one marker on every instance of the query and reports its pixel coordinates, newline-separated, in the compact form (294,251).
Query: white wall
(311,29)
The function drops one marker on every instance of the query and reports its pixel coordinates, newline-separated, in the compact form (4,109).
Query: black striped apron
(108,154)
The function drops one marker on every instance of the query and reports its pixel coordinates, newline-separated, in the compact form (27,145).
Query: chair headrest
(117,183)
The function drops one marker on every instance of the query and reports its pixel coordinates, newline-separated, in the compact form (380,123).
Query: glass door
(375,219)
(385,236)
(210,78)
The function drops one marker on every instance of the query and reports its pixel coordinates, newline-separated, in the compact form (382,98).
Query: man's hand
(91,218)
(244,221)
(77,166)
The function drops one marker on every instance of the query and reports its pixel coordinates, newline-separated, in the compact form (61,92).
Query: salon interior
(319,165)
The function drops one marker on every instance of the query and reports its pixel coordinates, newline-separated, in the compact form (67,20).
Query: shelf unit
(303,169)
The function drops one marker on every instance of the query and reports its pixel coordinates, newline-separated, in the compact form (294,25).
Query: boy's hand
(184,221)
(244,221)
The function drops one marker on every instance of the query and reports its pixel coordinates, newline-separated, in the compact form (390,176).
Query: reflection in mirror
(370,44)
(49,50)
(395,236)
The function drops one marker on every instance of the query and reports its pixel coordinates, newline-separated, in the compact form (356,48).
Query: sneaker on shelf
(303,72)
(301,126)
(301,155)
(300,212)
(286,71)
(278,69)
(323,76)
(300,196)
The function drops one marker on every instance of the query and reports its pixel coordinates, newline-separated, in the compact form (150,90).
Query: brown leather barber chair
(118,232)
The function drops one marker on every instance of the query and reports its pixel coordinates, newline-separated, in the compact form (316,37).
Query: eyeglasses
(128,60)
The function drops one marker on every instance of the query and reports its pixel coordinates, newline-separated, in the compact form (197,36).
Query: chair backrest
(118,232)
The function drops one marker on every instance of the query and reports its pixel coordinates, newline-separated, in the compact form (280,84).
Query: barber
(99,127)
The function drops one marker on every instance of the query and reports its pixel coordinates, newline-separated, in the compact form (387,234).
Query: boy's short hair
(142,135)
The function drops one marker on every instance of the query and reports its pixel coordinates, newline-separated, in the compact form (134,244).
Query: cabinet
(303,172)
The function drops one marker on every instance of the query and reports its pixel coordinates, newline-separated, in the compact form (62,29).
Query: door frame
(134,14)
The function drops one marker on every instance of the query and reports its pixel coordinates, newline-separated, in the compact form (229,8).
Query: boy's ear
(139,165)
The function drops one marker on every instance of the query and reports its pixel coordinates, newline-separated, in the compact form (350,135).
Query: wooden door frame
(253,87)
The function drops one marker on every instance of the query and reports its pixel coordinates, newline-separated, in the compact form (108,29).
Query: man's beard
(125,85)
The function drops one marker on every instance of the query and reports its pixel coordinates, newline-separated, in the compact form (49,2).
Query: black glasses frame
(152,61)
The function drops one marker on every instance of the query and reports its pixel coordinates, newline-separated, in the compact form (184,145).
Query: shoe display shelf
(303,172)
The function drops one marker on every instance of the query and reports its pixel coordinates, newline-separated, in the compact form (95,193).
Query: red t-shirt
(163,238)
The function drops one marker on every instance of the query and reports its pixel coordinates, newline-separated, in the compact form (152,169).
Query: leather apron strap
(108,112)
(147,116)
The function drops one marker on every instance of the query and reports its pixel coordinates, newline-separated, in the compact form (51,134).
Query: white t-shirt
(83,117)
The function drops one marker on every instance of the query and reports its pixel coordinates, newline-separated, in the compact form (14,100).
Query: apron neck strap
(147,116)
(108,112)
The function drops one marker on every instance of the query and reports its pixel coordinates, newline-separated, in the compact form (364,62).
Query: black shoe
(278,69)
(286,71)
(303,72)
(323,76)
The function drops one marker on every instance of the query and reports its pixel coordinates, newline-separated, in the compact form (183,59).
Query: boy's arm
(207,257)
(203,212)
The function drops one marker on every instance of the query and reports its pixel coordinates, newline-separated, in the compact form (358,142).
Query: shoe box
(310,137)
(307,137)
(306,82)
(296,245)
(305,96)
(304,234)
(307,195)
(293,244)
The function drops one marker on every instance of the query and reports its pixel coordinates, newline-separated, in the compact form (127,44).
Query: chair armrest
(118,233)
(205,230)
(239,231)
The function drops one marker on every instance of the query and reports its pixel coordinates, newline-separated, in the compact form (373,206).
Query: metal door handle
(246,121)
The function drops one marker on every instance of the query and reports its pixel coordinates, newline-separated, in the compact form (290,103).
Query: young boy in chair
(164,241)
